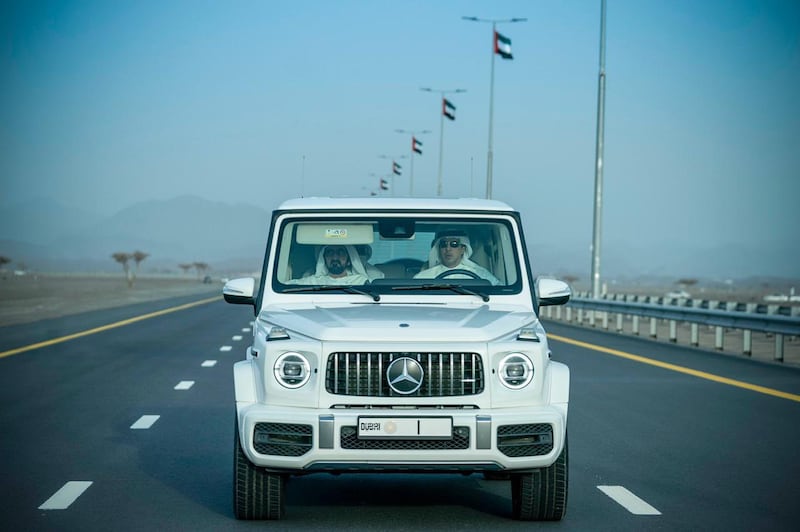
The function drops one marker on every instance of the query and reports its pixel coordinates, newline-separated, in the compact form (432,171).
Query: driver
(451,250)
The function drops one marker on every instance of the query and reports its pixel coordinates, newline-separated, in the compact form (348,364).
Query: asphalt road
(651,447)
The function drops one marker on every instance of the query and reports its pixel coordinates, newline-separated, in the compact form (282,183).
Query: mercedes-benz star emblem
(404,375)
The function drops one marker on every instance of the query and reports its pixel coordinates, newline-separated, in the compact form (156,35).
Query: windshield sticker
(335,233)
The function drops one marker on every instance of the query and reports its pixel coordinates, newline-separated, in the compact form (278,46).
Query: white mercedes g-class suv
(399,335)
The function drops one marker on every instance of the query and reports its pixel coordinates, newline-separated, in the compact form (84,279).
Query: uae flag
(384,184)
(502,46)
(448,109)
(396,168)
(416,145)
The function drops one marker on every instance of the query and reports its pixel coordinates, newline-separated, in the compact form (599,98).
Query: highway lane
(707,455)
(695,453)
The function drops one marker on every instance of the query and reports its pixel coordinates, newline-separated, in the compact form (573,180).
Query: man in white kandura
(451,251)
(336,265)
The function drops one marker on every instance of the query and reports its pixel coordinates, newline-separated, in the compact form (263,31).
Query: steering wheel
(458,271)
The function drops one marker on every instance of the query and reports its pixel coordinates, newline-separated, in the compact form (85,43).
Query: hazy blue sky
(107,103)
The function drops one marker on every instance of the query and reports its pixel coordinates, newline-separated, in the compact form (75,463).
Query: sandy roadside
(29,298)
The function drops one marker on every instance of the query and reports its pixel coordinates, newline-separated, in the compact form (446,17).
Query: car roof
(403,204)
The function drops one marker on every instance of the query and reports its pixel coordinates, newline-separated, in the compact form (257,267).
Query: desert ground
(33,297)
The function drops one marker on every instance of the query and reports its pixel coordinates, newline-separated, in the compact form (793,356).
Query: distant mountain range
(664,262)
(48,236)
(45,235)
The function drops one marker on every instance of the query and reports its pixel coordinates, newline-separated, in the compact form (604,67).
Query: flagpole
(302,176)
(471,193)
(412,133)
(392,173)
(490,154)
(441,149)
(411,177)
(441,131)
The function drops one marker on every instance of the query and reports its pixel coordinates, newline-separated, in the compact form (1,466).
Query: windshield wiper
(457,288)
(327,288)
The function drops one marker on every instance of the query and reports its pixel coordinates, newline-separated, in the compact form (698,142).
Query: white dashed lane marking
(68,493)
(246,329)
(237,338)
(145,422)
(209,363)
(184,385)
(225,348)
(628,500)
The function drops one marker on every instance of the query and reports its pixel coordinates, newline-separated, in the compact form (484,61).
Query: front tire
(256,493)
(542,494)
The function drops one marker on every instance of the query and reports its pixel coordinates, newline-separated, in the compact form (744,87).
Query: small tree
(201,268)
(3,261)
(185,267)
(138,257)
(124,258)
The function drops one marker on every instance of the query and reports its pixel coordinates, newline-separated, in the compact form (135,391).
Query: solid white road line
(209,363)
(66,495)
(184,385)
(225,348)
(628,500)
(145,422)
(237,338)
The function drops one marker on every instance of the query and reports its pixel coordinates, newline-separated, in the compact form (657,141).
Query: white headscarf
(355,261)
(433,256)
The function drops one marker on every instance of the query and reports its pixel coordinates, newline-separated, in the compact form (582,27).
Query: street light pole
(441,131)
(490,154)
(412,133)
(598,170)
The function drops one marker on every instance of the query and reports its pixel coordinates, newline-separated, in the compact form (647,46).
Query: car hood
(426,323)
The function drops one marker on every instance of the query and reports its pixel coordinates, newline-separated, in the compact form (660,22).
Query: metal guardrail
(773,319)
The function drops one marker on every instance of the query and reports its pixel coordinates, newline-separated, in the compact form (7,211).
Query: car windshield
(397,255)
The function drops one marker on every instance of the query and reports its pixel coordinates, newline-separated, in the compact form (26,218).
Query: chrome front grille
(364,374)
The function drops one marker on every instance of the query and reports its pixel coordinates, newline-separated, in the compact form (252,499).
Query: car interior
(398,258)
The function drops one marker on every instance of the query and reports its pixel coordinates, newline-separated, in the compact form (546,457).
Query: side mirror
(240,291)
(552,292)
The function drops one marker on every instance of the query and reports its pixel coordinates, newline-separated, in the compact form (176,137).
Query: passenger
(336,265)
(364,253)
(451,250)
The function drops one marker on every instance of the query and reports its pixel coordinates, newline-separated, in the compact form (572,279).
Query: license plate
(410,428)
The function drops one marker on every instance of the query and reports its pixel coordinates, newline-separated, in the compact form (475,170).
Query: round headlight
(292,369)
(516,371)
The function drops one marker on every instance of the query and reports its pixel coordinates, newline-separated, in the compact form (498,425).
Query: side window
(302,260)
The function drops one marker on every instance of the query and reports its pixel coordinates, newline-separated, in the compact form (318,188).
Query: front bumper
(301,440)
